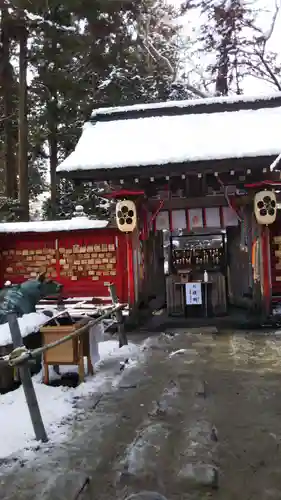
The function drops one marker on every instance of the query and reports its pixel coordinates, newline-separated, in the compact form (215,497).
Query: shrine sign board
(193,294)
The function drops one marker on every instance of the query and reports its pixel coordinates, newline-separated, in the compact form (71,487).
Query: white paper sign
(212,215)
(195,218)
(162,220)
(193,294)
(229,217)
(178,219)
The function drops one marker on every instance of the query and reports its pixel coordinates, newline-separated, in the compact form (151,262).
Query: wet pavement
(198,418)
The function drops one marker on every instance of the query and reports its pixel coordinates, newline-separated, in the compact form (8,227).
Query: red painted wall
(275,237)
(267,287)
(55,252)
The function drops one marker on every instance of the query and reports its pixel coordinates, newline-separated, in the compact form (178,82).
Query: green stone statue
(22,299)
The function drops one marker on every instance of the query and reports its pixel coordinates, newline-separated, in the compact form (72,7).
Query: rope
(21,354)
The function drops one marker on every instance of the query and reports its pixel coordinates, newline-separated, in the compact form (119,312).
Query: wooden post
(119,316)
(27,383)
(81,367)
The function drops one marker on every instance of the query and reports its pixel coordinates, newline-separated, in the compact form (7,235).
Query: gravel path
(199,418)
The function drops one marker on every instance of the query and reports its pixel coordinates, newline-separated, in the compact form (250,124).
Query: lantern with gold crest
(126,215)
(265,207)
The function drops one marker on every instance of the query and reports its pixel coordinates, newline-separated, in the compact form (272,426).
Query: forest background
(61,60)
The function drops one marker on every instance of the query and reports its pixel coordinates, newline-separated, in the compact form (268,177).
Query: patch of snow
(110,349)
(28,323)
(108,353)
(57,404)
(202,474)
(166,405)
(55,225)
(243,351)
(35,206)
(198,450)
(179,351)
(146,495)
(42,20)
(195,137)
(142,454)
(226,4)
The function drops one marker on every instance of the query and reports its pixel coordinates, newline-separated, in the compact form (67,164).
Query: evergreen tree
(88,54)
(12,99)
(70,195)
(98,54)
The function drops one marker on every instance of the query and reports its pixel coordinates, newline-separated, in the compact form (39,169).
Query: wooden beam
(182,203)
(244,200)
(176,169)
(204,184)
(187,186)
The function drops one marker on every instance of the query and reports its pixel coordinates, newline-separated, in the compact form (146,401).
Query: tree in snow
(88,54)
(145,57)
(262,61)
(15,148)
(9,106)
(70,195)
(231,44)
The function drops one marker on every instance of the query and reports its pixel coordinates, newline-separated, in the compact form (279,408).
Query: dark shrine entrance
(197,285)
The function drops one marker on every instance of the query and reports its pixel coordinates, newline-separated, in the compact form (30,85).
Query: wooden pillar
(130,267)
(265,269)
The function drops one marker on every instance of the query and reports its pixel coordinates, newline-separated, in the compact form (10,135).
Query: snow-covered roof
(178,132)
(55,225)
(186,103)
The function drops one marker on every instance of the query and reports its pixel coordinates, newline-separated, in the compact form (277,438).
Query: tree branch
(188,86)
(273,22)
(164,58)
(3,118)
(156,55)
(269,70)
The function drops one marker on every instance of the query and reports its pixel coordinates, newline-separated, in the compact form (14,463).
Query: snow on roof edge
(93,167)
(49,226)
(186,103)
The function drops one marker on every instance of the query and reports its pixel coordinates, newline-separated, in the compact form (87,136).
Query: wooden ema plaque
(277,254)
(87,261)
(27,263)
(93,262)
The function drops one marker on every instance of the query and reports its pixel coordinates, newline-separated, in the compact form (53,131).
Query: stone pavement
(199,418)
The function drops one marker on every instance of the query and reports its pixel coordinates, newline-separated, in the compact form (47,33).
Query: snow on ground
(57,404)
(28,323)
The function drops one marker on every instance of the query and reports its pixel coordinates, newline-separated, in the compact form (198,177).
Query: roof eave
(171,169)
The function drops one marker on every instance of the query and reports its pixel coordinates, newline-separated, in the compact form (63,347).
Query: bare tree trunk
(226,18)
(23,125)
(222,72)
(52,137)
(53,145)
(7,84)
